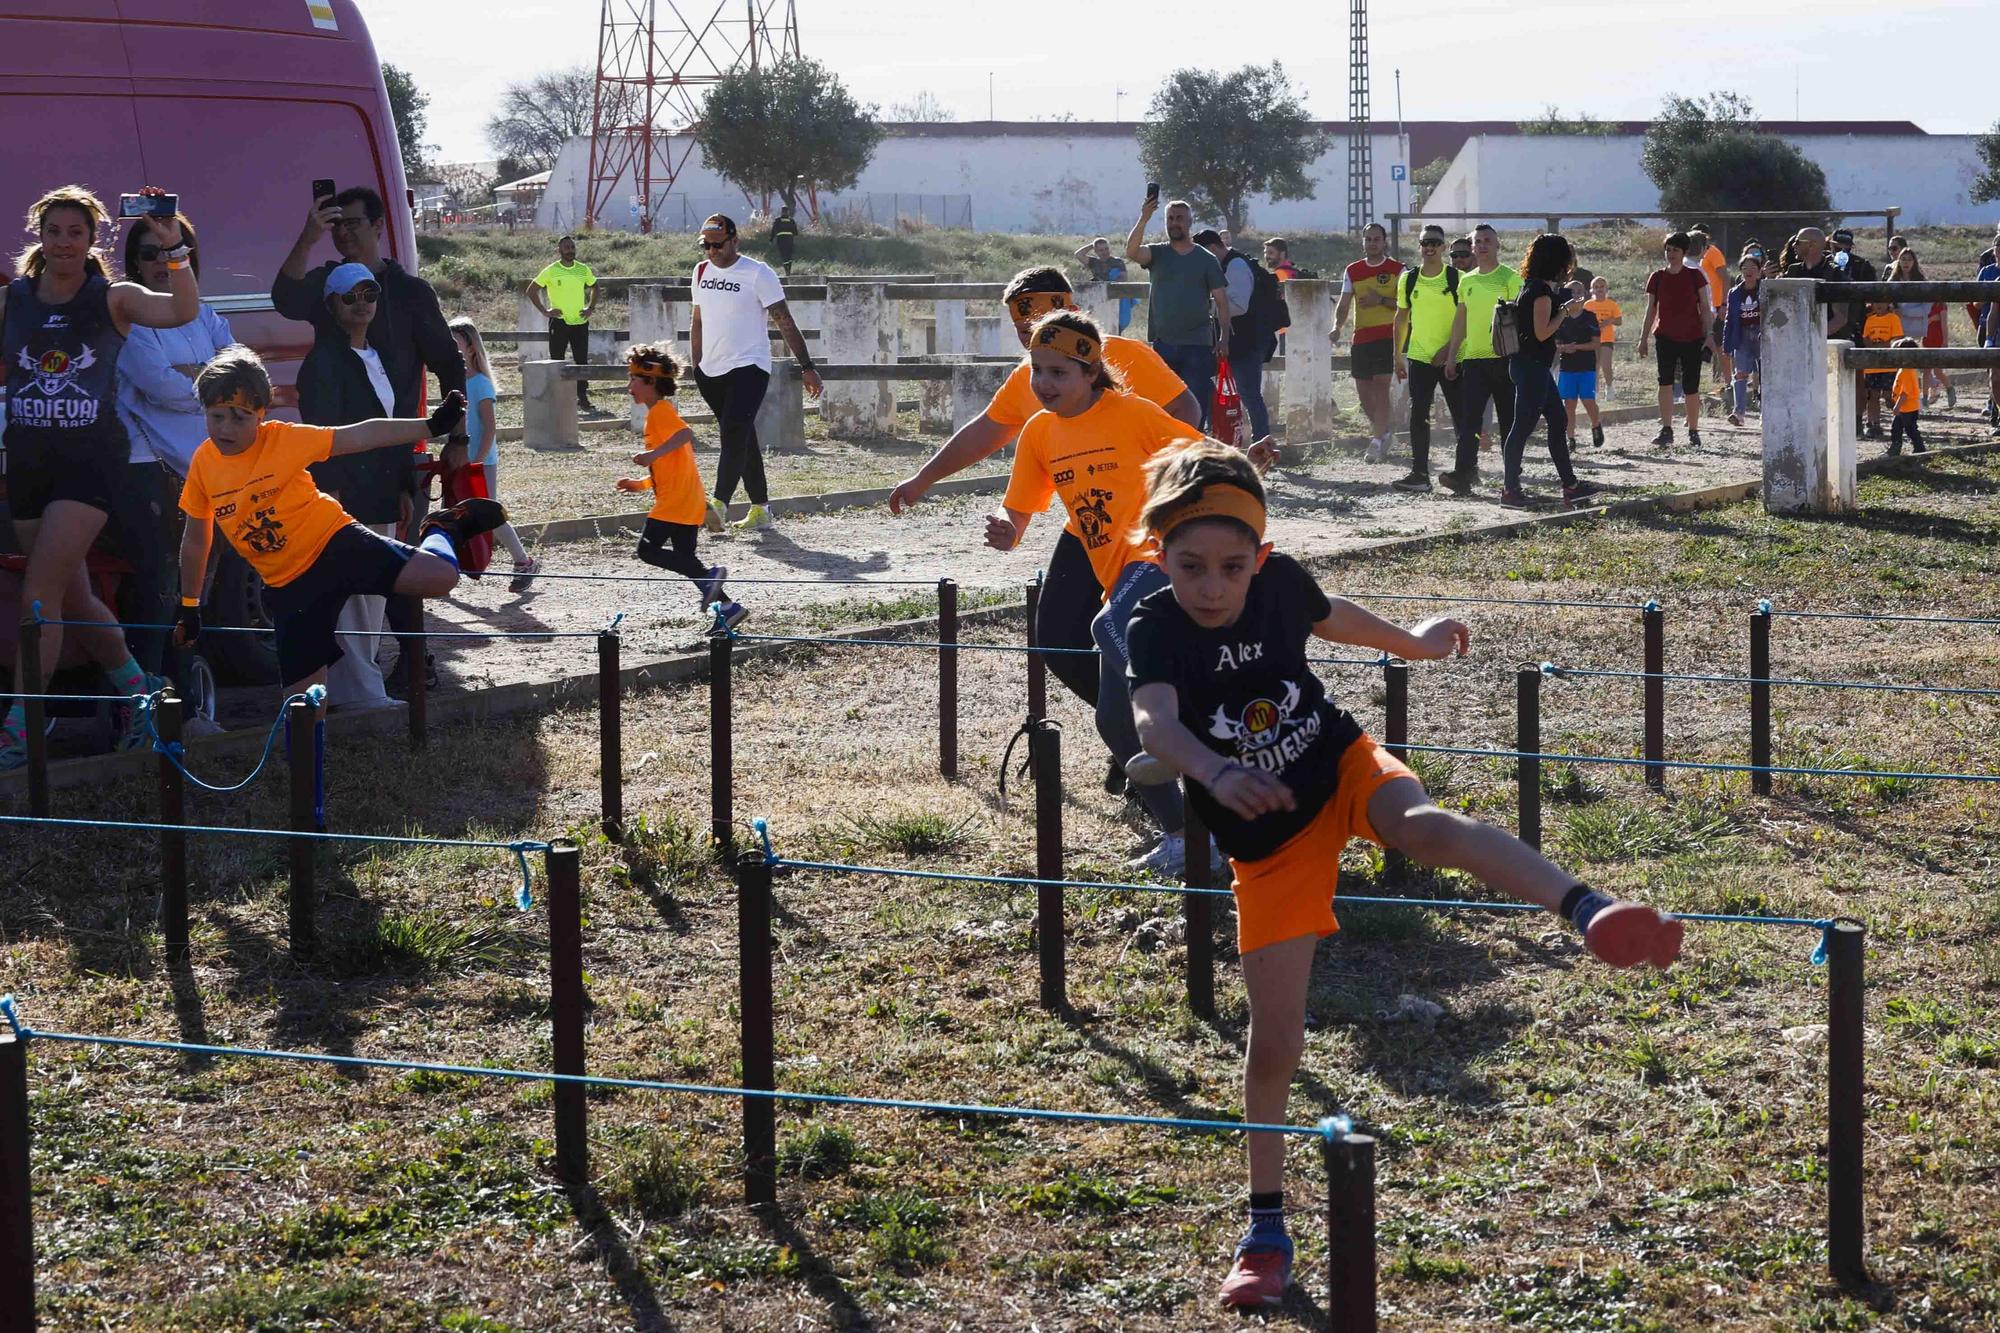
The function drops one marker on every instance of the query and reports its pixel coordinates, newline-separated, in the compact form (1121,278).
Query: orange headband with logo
(1070,343)
(241,401)
(644,371)
(1031,306)
(1218,500)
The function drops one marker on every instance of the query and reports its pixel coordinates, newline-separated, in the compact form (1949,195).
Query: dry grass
(1568,1148)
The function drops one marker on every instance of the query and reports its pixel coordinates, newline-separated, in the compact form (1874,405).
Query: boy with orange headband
(1223,694)
(679,502)
(251,476)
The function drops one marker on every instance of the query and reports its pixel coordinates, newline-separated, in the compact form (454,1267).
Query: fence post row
(721,757)
(759,1059)
(1760,699)
(1528,741)
(1396,738)
(948,678)
(610,739)
(17,1211)
(173,843)
(299,718)
(1197,909)
(1045,760)
(34,717)
(1845,1253)
(1350,1232)
(1038,667)
(566,1008)
(1655,622)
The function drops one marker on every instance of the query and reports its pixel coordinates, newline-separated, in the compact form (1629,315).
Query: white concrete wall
(1929,176)
(1082,183)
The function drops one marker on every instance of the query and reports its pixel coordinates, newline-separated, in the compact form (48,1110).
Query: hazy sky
(1459,61)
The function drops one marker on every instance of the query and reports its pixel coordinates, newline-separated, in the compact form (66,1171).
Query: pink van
(237,106)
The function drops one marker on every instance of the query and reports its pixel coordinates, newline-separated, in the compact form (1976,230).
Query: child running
(679,502)
(1609,316)
(250,476)
(1907,396)
(1222,693)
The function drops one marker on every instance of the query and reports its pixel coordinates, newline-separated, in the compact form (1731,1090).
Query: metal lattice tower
(654,58)
(1360,139)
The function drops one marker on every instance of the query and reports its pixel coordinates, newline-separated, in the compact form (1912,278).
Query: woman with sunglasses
(162,416)
(63,325)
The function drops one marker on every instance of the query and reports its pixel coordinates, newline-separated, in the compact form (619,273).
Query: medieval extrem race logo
(1266,734)
(52,396)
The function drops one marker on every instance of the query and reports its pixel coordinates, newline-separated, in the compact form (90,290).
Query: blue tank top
(62,367)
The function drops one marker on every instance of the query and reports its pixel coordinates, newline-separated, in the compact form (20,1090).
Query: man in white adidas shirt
(736,300)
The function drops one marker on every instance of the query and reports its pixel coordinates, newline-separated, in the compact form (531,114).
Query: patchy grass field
(1566,1149)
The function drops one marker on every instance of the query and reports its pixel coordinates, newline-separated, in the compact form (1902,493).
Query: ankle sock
(439,545)
(128,677)
(1267,1219)
(1580,904)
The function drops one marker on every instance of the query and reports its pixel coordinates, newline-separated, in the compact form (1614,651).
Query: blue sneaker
(13,756)
(711,587)
(730,615)
(1260,1275)
(130,719)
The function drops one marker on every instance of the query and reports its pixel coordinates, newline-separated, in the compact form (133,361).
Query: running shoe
(1259,1277)
(1460,483)
(1417,483)
(1168,858)
(1950,394)
(711,587)
(1734,419)
(524,574)
(757,520)
(728,616)
(1628,934)
(1597,436)
(1512,498)
(1694,439)
(1580,492)
(1378,449)
(716,516)
(463,521)
(1664,438)
(130,719)
(13,757)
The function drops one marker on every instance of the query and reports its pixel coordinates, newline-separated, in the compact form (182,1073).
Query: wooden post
(418,680)
(1760,699)
(1038,666)
(1197,910)
(17,1209)
(299,719)
(759,1041)
(34,716)
(721,758)
(1350,1232)
(948,678)
(1656,696)
(1045,756)
(1845,1253)
(1396,739)
(173,843)
(566,1006)
(610,740)
(1528,741)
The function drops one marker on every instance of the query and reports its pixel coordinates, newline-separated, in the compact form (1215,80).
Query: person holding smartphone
(1187,317)
(63,324)
(1540,309)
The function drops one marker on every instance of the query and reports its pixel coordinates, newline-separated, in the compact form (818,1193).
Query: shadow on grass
(607,1244)
(843,1311)
(775,545)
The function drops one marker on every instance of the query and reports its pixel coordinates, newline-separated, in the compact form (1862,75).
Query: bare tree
(538,117)
(923,109)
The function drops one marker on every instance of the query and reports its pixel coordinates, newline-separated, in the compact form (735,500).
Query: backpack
(1268,310)
(1506,328)
(1410,293)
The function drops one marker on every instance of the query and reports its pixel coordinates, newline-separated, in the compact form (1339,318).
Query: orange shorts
(1290,892)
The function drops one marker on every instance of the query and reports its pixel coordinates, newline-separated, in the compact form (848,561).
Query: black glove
(448,416)
(187,626)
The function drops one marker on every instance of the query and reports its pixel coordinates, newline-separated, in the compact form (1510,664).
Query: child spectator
(1908,400)
(1577,339)
(1881,328)
(1286,785)
(484,450)
(679,502)
(1609,316)
(1743,334)
(250,475)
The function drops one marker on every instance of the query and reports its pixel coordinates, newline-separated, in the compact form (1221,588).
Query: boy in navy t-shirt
(1223,694)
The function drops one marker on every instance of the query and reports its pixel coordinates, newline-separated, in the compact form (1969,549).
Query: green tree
(1753,172)
(1553,121)
(1215,139)
(411,108)
(773,128)
(1686,123)
(1987,186)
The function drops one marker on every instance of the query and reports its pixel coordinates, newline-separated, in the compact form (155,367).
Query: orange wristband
(190,601)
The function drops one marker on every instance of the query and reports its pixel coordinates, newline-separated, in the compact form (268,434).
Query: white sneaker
(1378,449)
(1168,859)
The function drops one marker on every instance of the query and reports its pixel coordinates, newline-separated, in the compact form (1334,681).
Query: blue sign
(1399,172)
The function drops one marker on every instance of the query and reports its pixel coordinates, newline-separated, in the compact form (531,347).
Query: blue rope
(1765,608)
(1328,1128)
(1493,601)
(1383,660)
(1551,669)
(524,899)
(1706,768)
(906,643)
(827,583)
(314,695)
(79,698)
(1822,924)
(40,619)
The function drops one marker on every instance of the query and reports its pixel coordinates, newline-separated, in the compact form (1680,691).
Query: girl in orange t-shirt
(1907,398)
(680,505)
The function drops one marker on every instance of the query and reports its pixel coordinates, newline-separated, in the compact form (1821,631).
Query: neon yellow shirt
(568,287)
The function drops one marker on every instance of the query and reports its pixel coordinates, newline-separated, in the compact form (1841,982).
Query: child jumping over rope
(679,502)
(1222,693)
(250,476)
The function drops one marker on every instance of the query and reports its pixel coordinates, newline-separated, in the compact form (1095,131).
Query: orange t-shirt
(1717,269)
(1606,310)
(265,500)
(673,477)
(1880,331)
(1145,375)
(1906,391)
(1095,462)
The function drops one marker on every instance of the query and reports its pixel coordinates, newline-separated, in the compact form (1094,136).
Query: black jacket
(409,329)
(334,391)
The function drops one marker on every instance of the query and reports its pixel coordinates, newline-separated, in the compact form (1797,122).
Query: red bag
(1226,419)
(464,483)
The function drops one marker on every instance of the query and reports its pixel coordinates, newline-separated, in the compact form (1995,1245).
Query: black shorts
(1673,354)
(1372,359)
(355,563)
(41,471)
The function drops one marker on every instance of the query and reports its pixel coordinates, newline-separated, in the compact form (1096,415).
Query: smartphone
(322,189)
(1152,189)
(148,205)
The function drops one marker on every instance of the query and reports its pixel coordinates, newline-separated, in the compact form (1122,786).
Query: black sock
(1580,904)
(1267,1215)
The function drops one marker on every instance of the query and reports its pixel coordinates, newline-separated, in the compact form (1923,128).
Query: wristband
(180,251)
(1228,766)
(805,365)
(176,265)
(190,601)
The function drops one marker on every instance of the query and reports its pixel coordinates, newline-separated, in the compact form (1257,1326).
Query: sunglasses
(366,294)
(714,245)
(1465,255)
(1429,245)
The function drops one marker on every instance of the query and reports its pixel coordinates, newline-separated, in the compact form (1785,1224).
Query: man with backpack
(1254,321)
(1429,328)
(1487,286)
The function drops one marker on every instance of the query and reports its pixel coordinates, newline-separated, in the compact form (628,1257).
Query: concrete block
(653,318)
(859,329)
(548,406)
(1308,392)
(781,418)
(1833,486)
(951,330)
(1795,396)
(972,389)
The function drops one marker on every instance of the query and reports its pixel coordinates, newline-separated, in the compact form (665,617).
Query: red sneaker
(1257,1280)
(1628,934)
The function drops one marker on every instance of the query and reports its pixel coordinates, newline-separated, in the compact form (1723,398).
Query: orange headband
(645,371)
(1031,306)
(241,400)
(1219,499)
(1074,345)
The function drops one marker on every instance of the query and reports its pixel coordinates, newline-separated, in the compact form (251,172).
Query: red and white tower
(654,57)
